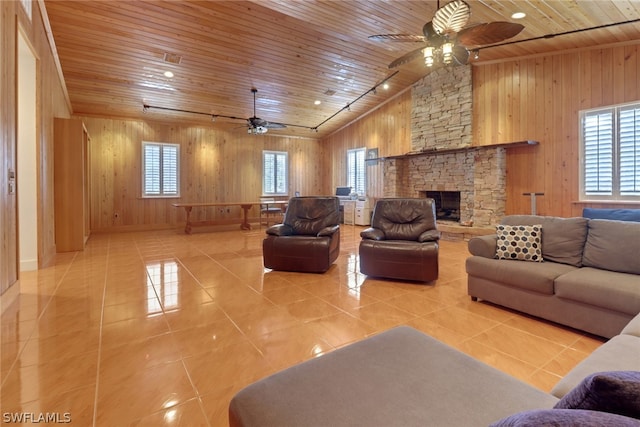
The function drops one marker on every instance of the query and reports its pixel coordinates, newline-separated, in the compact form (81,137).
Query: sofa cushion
(531,276)
(633,327)
(601,288)
(613,245)
(519,242)
(562,238)
(617,392)
(619,353)
(565,418)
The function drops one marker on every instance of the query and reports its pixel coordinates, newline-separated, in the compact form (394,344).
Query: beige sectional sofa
(589,277)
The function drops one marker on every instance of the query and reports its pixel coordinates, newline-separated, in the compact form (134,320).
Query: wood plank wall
(535,98)
(216,166)
(387,128)
(540,98)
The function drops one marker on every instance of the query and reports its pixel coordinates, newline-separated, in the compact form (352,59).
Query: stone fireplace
(443,158)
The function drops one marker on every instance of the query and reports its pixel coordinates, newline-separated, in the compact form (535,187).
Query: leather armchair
(308,240)
(402,242)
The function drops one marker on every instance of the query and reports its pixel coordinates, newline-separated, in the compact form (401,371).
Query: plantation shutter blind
(161,169)
(598,153)
(169,170)
(630,151)
(274,172)
(356,178)
(152,169)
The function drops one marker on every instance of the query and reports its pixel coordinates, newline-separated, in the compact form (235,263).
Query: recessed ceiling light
(317,102)
(518,15)
(168,74)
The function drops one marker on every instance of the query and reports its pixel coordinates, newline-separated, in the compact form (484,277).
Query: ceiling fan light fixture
(258,130)
(447,52)
(428,56)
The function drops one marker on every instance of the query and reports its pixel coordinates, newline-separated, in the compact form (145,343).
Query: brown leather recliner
(308,240)
(402,242)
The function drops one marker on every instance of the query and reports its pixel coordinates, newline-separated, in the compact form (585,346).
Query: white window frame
(163,170)
(280,186)
(357,170)
(617,142)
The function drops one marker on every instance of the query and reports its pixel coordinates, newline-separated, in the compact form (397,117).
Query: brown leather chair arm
(372,234)
(429,236)
(328,231)
(280,230)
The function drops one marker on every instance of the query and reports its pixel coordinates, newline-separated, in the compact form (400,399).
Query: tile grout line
(104,293)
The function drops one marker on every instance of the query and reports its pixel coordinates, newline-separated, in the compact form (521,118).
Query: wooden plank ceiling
(294,52)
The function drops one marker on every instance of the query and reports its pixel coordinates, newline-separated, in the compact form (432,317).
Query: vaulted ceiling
(113,54)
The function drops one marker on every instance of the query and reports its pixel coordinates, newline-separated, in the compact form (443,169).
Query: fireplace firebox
(447,204)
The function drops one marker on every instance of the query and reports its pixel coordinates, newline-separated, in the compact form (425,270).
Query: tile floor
(162,328)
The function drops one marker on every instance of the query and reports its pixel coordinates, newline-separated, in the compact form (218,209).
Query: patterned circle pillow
(519,242)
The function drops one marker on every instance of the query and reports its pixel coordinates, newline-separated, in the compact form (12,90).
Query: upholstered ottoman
(400,377)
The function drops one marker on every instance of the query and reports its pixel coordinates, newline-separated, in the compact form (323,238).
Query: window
(610,153)
(356,171)
(160,169)
(275,170)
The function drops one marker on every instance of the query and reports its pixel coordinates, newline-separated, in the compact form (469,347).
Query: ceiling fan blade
(460,55)
(397,37)
(488,33)
(451,17)
(414,54)
(272,125)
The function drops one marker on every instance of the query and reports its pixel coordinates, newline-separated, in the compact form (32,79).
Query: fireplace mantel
(437,151)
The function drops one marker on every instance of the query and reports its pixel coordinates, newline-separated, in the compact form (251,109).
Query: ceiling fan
(257,125)
(446,40)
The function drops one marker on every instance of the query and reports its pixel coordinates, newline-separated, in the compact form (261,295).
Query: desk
(244,205)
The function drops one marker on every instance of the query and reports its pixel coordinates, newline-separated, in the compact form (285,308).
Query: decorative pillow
(519,242)
(617,392)
(562,238)
(565,418)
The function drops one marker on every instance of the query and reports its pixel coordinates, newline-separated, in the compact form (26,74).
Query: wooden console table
(244,205)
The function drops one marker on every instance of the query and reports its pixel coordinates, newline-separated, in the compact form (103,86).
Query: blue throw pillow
(565,418)
(617,392)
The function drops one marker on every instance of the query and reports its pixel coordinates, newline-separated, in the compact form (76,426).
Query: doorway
(27,156)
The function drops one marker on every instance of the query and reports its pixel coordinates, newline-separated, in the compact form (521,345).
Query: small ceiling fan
(445,38)
(257,125)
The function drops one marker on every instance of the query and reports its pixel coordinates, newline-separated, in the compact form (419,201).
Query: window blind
(356,170)
(275,170)
(160,167)
(611,153)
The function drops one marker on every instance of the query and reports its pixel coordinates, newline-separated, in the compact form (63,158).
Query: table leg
(245,221)
(187,227)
